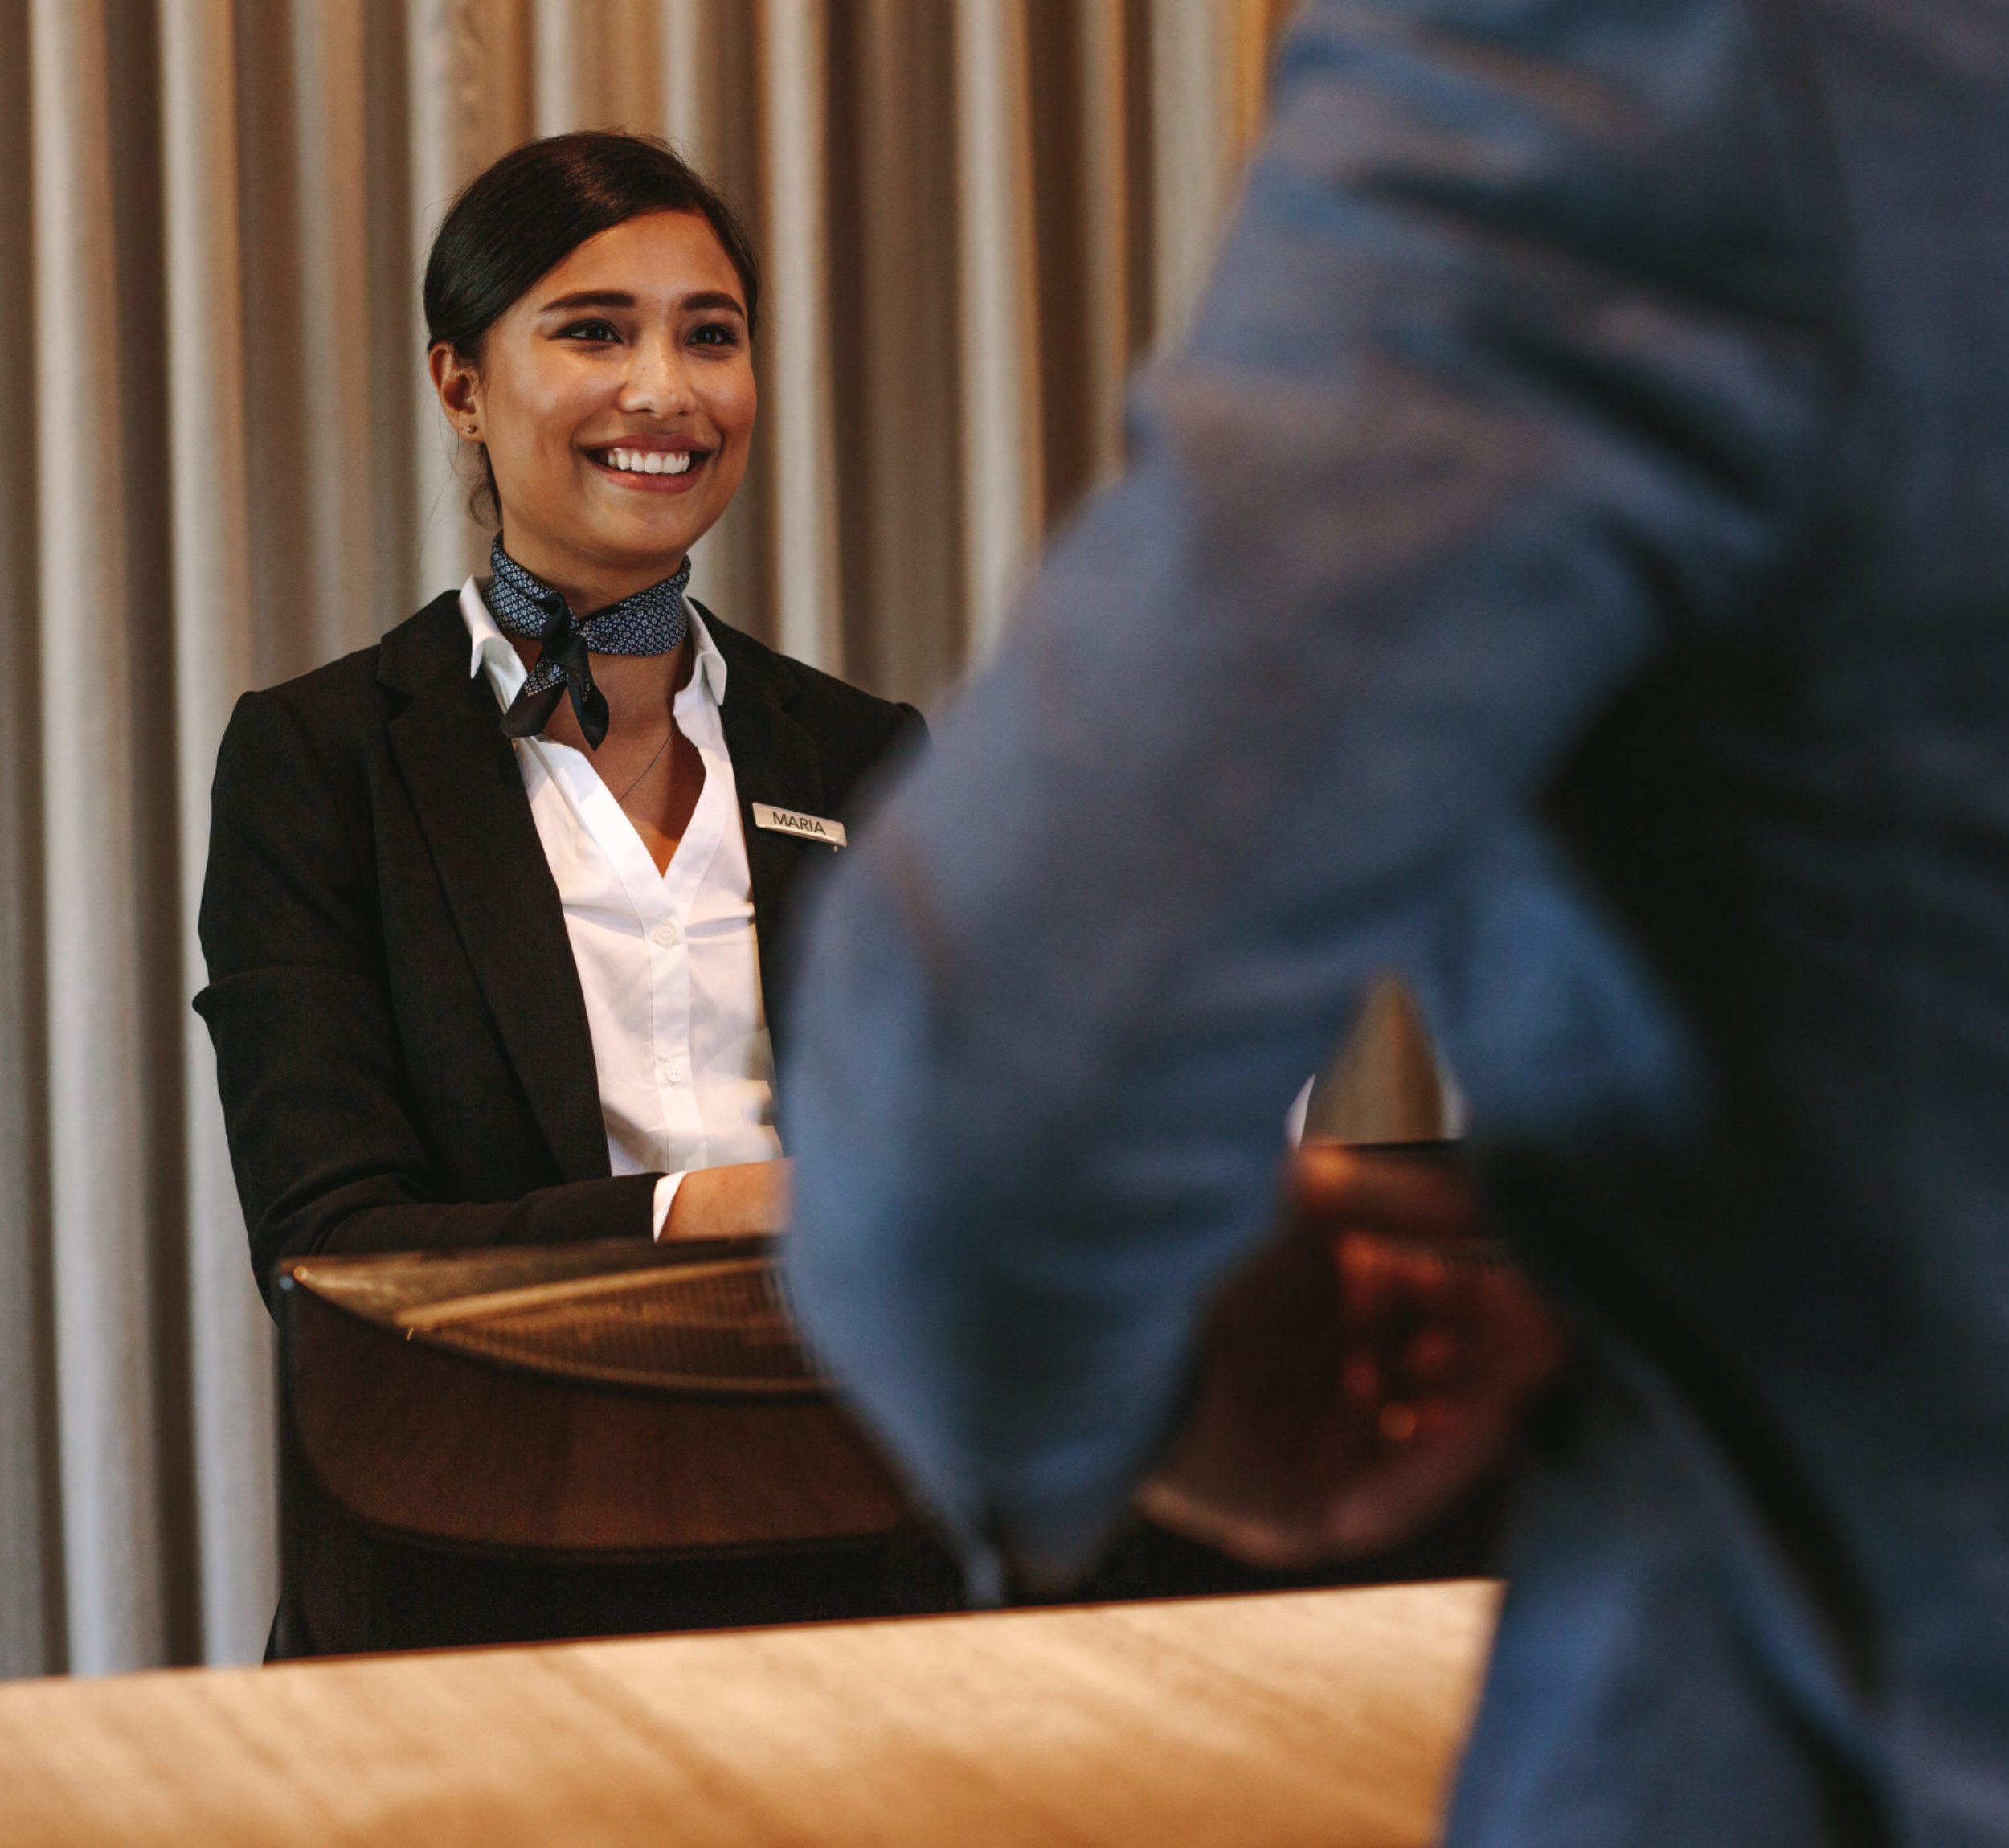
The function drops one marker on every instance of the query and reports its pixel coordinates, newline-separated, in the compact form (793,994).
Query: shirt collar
(711,663)
(490,648)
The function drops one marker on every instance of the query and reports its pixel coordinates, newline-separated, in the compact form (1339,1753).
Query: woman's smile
(654,466)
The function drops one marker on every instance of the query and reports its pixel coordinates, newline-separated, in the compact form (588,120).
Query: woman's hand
(1359,1379)
(732,1202)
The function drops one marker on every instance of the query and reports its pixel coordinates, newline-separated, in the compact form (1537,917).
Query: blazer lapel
(775,760)
(469,796)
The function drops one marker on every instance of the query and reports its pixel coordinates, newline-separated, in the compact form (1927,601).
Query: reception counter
(1325,1718)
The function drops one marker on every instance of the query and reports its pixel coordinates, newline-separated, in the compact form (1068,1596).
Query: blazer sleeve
(326,1154)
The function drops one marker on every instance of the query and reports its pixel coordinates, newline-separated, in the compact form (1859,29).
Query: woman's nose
(658,383)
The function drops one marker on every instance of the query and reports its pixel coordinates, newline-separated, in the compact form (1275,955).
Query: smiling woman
(492,907)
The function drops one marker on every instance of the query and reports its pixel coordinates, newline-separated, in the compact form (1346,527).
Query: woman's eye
(596,332)
(715,333)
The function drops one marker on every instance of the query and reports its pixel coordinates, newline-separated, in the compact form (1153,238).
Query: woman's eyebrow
(590,298)
(710,298)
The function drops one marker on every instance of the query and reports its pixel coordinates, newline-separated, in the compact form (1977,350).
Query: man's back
(1570,561)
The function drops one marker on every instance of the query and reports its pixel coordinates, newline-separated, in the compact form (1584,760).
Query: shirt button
(675,1071)
(667,933)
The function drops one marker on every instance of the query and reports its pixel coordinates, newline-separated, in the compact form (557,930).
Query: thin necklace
(649,765)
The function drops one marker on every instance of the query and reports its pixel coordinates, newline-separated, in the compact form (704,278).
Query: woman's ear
(459,386)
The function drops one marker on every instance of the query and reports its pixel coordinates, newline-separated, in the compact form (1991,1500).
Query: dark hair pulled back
(519,218)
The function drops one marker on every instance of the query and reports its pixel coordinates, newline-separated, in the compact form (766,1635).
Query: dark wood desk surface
(1330,1718)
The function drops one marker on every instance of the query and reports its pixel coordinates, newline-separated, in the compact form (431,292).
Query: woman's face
(616,399)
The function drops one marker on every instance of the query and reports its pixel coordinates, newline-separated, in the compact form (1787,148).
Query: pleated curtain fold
(222,467)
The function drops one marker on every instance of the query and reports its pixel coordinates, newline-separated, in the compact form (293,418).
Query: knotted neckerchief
(650,622)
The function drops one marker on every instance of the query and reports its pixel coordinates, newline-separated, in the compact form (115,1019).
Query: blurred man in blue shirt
(1567,563)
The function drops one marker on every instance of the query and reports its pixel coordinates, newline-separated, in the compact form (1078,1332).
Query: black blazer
(401,1041)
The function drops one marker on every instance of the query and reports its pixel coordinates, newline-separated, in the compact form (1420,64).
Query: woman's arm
(309,1063)
(739,1200)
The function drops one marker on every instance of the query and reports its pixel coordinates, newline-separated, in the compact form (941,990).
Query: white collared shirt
(669,962)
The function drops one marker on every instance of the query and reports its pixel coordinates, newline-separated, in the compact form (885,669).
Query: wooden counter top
(1315,1718)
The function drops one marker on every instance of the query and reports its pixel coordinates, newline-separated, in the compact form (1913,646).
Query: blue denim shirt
(1568,562)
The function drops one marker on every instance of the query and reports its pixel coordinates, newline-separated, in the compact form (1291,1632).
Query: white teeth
(650,461)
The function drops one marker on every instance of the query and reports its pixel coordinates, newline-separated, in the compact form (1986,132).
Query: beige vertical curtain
(221,467)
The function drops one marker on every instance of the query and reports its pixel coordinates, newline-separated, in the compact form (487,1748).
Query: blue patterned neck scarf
(651,621)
